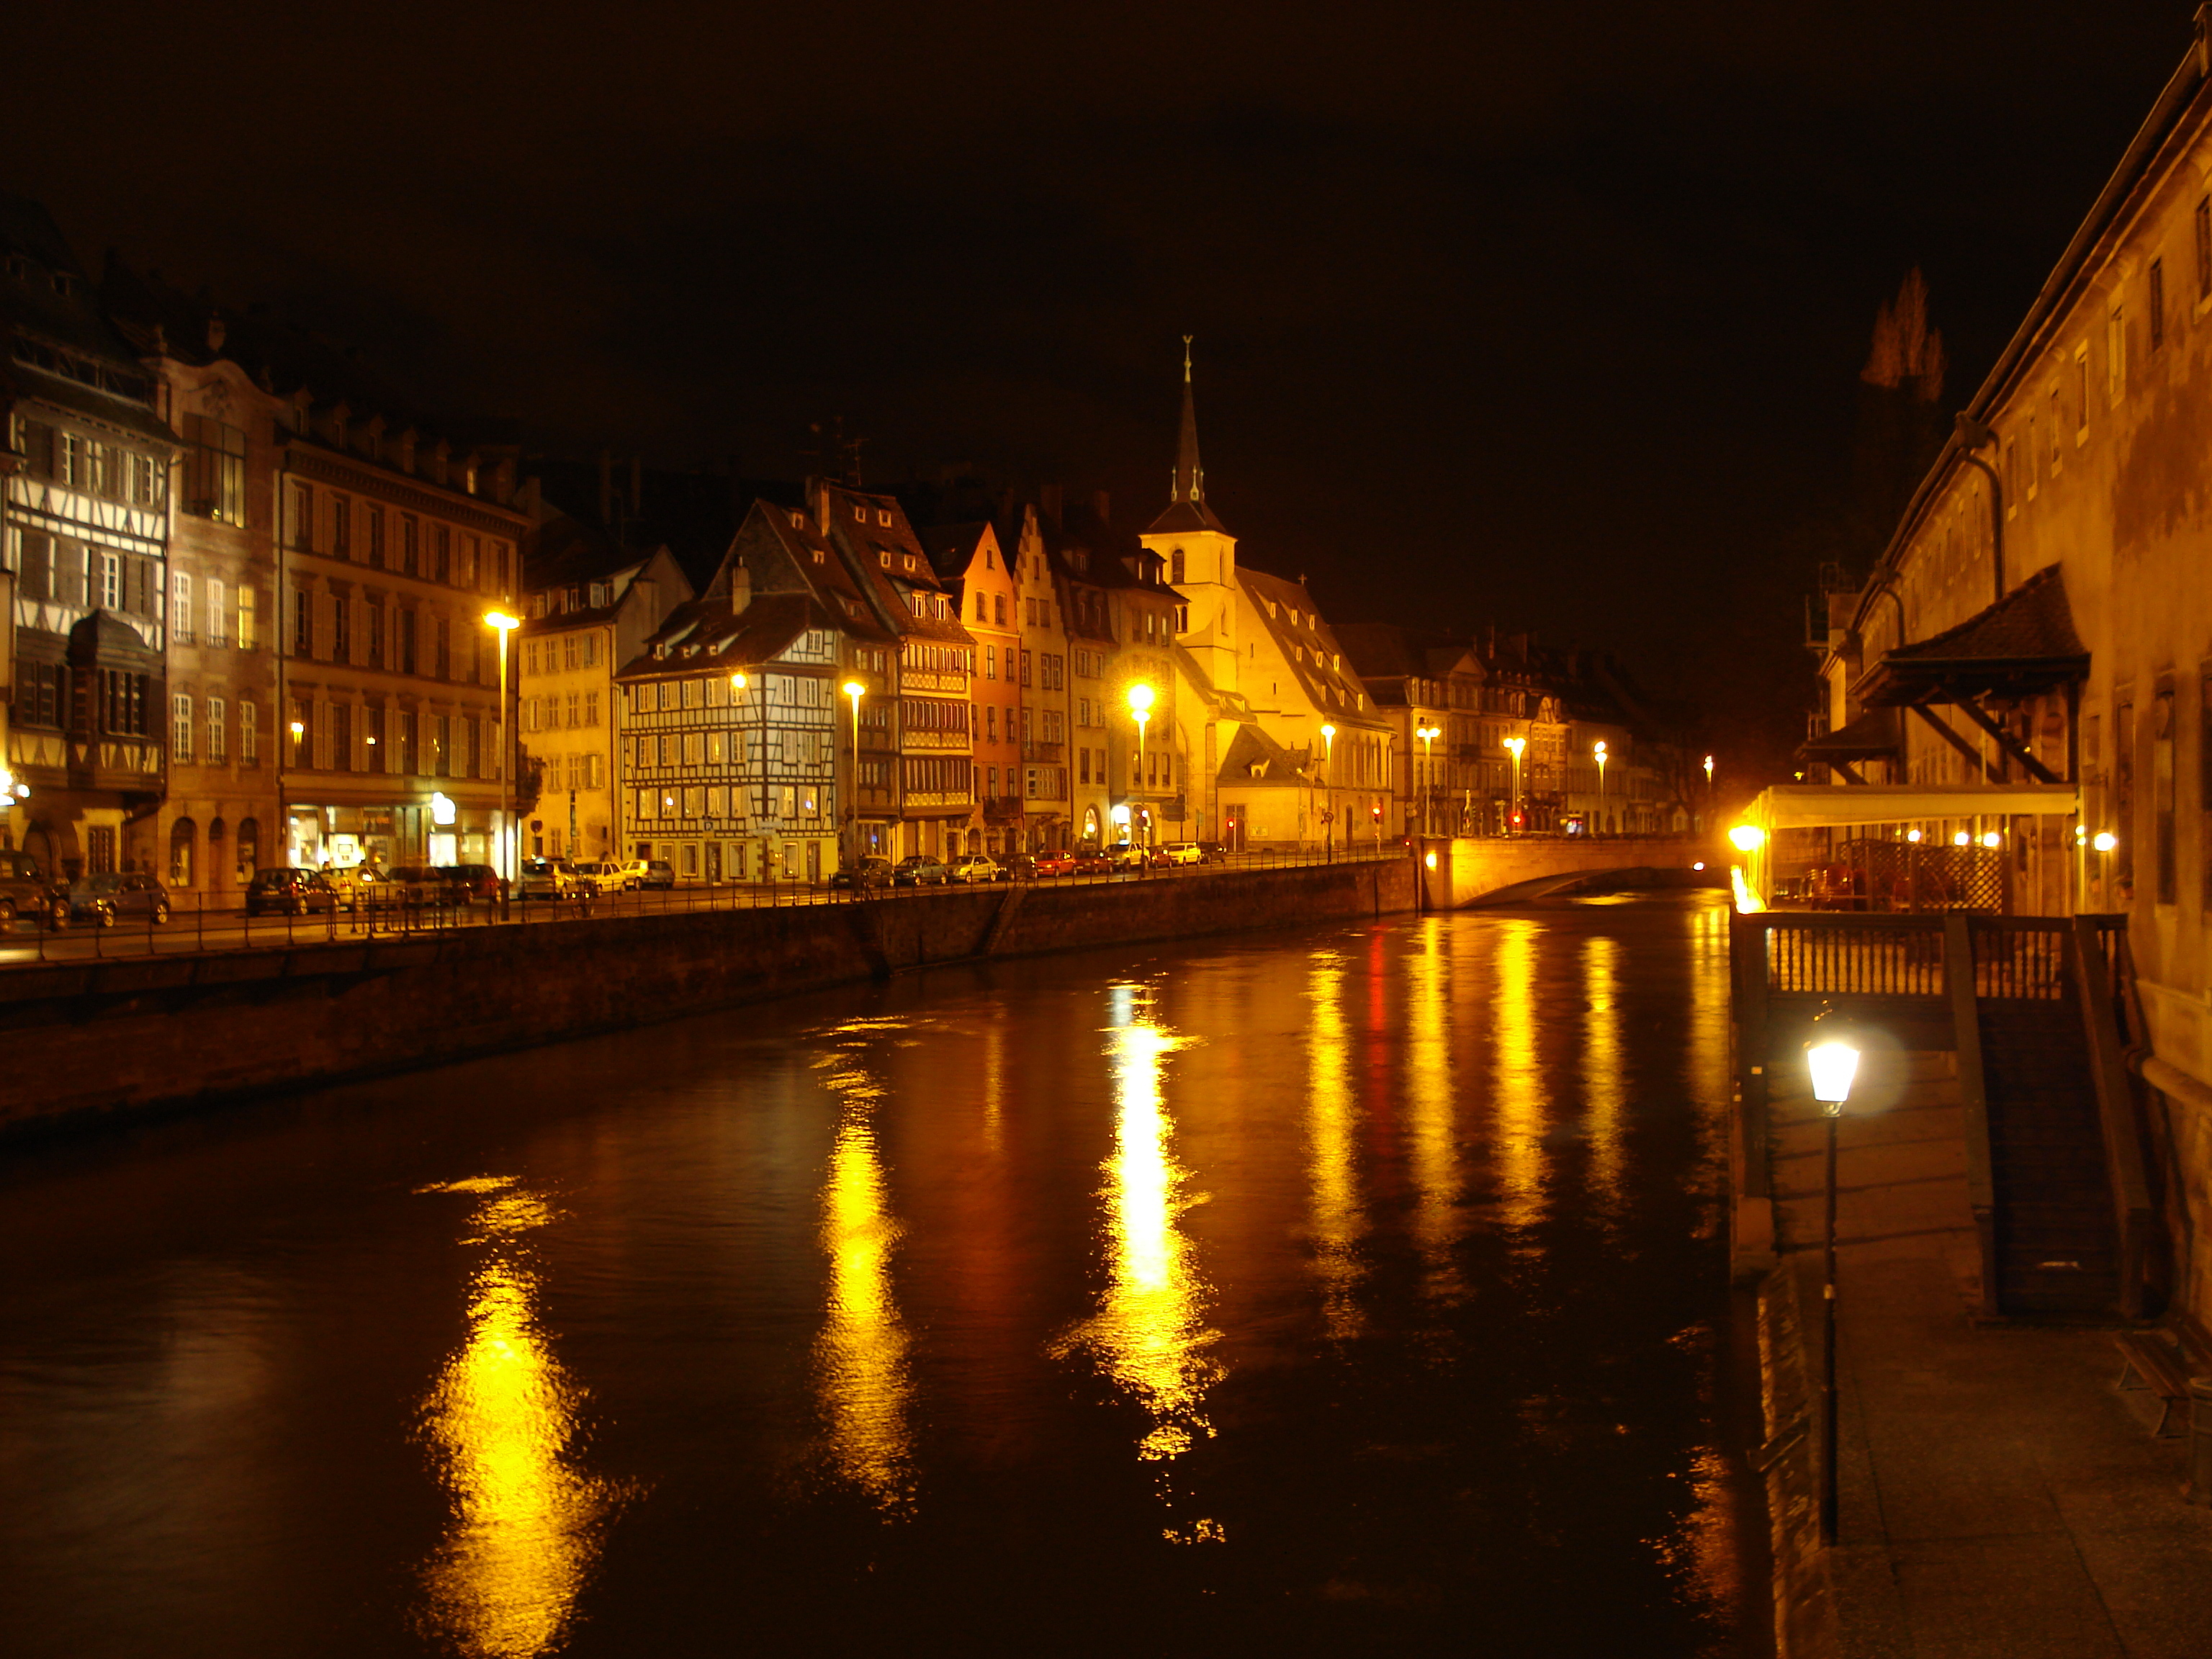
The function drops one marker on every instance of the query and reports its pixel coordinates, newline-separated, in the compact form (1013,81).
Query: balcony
(1045,754)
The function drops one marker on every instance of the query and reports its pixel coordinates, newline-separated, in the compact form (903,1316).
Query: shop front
(440,831)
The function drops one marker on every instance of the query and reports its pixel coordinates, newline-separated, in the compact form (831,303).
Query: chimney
(1048,497)
(1101,504)
(606,485)
(741,588)
(218,331)
(637,486)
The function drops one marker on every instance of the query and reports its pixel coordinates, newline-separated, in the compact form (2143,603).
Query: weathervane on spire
(1186,360)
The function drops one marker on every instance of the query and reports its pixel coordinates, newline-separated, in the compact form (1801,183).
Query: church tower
(1198,553)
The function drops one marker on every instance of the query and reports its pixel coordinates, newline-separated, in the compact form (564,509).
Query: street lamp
(1598,748)
(503,625)
(1427,734)
(1140,710)
(1832,1059)
(855,690)
(1514,746)
(1328,788)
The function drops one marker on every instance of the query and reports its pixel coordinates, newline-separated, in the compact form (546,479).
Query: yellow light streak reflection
(861,1355)
(1431,1114)
(1518,1091)
(1605,1089)
(1332,1161)
(505,1420)
(1150,1335)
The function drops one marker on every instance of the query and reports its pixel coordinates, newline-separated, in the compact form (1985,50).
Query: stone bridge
(1503,869)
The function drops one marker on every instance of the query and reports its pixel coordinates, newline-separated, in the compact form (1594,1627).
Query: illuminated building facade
(980,581)
(591,608)
(88,468)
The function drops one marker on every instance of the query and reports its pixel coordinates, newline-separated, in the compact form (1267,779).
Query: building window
(2116,354)
(214,470)
(182,836)
(249,740)
(217,733)
(410,543)
(248,638)
(372,740)
(180,608)
(342,736)
(341,528)
(110,581)
(2123,800)
(2161,773)
(303,625)
(2157,304)
(372,622)
(442,633)
(341,630)
(403,622)
(373,533)
(302,730)
(443,551)
(180,730)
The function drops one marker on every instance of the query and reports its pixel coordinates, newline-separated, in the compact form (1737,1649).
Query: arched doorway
(218,832)
(1090,824)
(184,847)
(248,856)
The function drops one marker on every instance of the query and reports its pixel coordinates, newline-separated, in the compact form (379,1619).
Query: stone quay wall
(81,1043)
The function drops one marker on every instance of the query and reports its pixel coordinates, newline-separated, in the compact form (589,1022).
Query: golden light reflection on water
(1705,1549)
(1150,1335)
(1517,1156)
(506,1421)
(1332,1158)
(861,1366)
(1605,1085)
(1431,1110)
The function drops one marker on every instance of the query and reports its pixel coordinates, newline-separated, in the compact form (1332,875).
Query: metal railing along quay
(199,929)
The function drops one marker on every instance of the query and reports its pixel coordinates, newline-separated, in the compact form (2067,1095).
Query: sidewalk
(1999,1495)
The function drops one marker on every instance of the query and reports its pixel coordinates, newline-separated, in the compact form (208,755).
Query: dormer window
(538,605)
(882,515)
(884,558)
(909,561)
(817,556)
(860,514)
(599,594)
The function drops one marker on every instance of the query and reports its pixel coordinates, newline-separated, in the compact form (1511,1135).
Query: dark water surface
(1361,1288)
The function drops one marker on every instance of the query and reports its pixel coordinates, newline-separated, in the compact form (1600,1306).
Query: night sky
(1543,315)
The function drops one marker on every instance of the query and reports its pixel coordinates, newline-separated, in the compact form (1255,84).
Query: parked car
(415,885)
(1130,855)
(104,900)
(285,891)
(548,878)
(602,876)
(356,885)
(973,867)
(649,872)
(1092,861)
(471,882)
(25,890)
(920,869)
(1059,863)
(867,876)
(1211,851)
(1018,866)
(1182,852)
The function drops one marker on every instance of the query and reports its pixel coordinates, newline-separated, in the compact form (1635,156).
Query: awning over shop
(1823,806)
(1877,735)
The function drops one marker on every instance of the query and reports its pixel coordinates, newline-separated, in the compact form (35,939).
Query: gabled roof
(827,578)
(1387,652)
(1252,747)
(1330,682)
(887,561)
(704,636)
(951,547)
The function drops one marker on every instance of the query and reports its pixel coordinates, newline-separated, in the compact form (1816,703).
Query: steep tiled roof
(703,636)
(2022,644)
(1253,748)
(1332,684)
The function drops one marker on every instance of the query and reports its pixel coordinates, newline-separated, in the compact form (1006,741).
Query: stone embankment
(81,1041)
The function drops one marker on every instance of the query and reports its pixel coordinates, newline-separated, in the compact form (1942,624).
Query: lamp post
(1427,734)
(503,624)
(855,690)
(1329,788)
(1598,748)
(1832,1059)
(1514,746)
(1140,710)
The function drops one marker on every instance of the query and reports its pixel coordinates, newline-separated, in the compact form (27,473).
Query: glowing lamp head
(1516,744)
(1140,699)
(501,620)
(1993,839)
(1912,834)
(2105,840)
(1962,839)
(1709,769)
(298,728)
(1832,1058)
(1598,748)
(853,690)
(1329,733)
(1430,859)
(738,681)
(1746,838)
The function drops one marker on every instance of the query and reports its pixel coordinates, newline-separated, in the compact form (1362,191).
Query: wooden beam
(2036,768)
(1942,729)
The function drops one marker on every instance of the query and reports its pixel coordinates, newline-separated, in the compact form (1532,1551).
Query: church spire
(1189,482)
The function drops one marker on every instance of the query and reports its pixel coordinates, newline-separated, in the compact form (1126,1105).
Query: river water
(1355,1289)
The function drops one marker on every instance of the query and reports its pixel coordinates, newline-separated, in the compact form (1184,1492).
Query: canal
(1359,1288)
